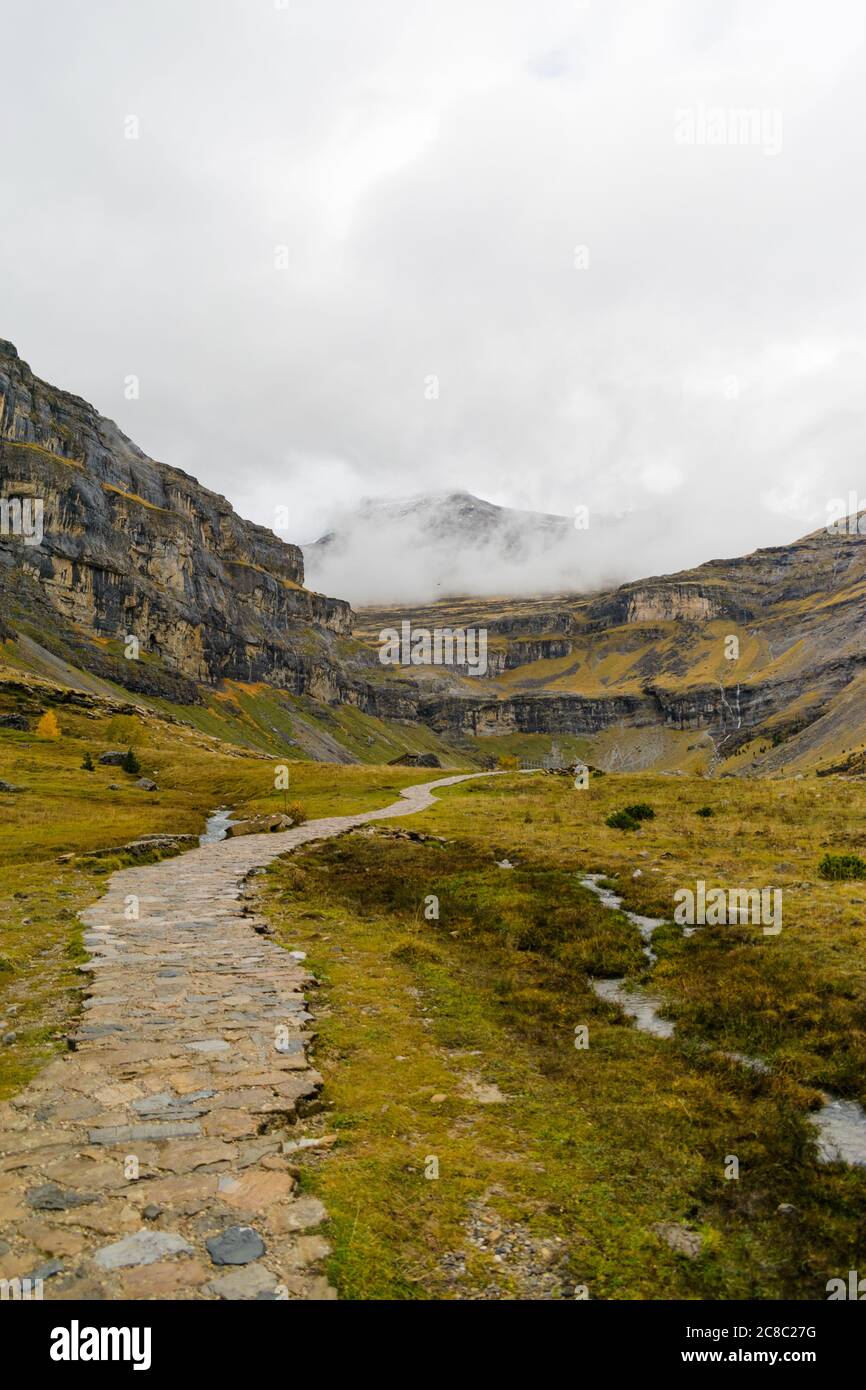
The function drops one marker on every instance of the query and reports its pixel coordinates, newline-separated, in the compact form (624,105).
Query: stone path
(148,1162)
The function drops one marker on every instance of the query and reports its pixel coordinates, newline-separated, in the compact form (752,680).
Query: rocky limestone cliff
(133,547)
(655,652)
(662,601)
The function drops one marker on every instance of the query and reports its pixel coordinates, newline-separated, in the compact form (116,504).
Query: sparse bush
(705,811)
(507,763)
(411,952)
(630,817)
(130,763)
(842,866)
(87,765)
(297,812)
(124,728)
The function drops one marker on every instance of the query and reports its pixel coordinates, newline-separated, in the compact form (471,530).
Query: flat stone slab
(251,1282)
(46,1271)
(128,1134)
(299,1215)
(143,1248)
(50,1197)
(166,1102)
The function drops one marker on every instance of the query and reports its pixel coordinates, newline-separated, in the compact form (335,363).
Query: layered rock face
(132,547)
(657,652)
(126,547)
(664,601)
(536,714)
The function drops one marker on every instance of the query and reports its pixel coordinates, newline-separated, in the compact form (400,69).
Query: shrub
(640,810)
(123,728)
(842,866)
(705,811)
(130,763)
(507,763)
(48,726)
(87,765)
(413,952)
(297,812)
(621,820)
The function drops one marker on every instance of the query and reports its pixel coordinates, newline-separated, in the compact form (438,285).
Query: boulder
(112,758)
(415,760)
(147,785)
(681,1240)
(260,825)
(164,844)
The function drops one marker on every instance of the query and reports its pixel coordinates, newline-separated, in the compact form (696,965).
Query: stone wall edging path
(189,1067)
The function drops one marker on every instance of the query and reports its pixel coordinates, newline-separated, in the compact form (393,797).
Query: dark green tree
(130,763)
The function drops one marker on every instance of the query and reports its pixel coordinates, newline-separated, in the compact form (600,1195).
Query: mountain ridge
(133,548)
(416,545)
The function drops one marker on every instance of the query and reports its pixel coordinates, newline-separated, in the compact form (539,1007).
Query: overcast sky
(515,197)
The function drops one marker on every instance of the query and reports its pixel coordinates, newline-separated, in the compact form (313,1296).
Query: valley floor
(471,1150)
(463,1146)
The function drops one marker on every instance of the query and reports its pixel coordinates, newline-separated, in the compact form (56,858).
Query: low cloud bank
(422,549)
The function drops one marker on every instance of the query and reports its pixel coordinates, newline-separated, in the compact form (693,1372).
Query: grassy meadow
(566,1171)
(479,1153)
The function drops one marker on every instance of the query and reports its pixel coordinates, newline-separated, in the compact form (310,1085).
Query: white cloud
(660,477)
(431,170)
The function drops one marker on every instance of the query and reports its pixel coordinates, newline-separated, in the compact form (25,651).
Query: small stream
(841,1124)
(645,925)
(637,1004)
(216,826)
(842,1130)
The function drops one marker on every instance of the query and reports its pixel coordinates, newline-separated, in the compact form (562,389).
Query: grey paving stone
(50,1197)
(238,1245)
(143,1248)
(127,1134)
(254,1282)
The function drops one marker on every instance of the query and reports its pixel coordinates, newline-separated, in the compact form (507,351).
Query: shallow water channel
(216,826)
(841,1124)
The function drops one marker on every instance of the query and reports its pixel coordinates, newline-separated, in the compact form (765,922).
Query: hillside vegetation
(600,1170)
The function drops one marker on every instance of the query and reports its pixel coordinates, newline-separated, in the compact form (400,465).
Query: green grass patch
(587,1151)
(842,866)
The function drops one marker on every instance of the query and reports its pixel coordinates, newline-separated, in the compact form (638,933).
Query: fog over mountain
(433,545)
(420,548)
(369,250)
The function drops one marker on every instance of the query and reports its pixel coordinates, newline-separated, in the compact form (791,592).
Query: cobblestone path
(148,1162)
